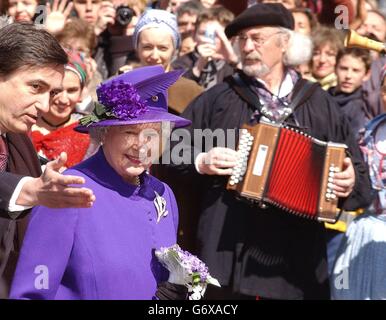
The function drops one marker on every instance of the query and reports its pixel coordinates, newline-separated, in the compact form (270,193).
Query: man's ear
(284,41)
(367,75)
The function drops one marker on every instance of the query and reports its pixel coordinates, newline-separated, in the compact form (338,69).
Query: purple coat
(103,252)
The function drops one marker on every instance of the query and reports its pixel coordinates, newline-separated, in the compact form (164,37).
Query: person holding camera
(115,27)
(119,16)
(213,58)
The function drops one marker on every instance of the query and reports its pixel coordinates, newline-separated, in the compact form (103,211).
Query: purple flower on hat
(129,99)
(122,99)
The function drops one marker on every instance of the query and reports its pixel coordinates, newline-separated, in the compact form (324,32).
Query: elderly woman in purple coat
(107,251)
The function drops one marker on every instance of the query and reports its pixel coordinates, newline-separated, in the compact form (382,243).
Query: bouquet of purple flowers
(186,269)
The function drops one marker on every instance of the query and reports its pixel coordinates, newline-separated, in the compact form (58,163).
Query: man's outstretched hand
(53,190)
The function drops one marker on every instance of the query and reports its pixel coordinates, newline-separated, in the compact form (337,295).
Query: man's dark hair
(358,53)
(25,45)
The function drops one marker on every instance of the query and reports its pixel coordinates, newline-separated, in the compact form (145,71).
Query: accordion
(289,169)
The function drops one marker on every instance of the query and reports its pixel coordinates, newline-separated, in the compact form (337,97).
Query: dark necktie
(3,154)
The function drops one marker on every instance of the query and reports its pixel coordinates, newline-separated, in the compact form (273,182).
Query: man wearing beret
(256,252)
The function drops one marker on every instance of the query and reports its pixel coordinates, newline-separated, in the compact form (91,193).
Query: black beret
(261,14)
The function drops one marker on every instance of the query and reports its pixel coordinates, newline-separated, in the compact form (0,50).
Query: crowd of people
(86,194)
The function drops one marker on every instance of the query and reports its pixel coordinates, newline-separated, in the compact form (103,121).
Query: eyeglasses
(257,40)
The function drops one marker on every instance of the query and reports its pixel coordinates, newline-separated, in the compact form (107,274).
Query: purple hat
(138,96)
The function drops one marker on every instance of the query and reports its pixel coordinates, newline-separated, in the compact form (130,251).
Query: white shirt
(13,208)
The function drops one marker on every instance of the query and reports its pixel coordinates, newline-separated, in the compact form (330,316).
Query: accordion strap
(238,84)
(302,91)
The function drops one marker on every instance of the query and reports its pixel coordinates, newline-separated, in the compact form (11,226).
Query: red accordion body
(289,169)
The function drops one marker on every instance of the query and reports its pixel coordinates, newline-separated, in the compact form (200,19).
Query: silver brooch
(160,205)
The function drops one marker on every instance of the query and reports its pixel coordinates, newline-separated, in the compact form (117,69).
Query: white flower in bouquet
(186,269)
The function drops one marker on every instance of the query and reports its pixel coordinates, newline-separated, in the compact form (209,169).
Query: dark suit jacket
(8,183)
(23,161)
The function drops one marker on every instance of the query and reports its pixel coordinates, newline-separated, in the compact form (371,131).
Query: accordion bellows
(289,169)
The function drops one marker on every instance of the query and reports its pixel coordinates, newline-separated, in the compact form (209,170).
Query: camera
(210,34)
(123,15)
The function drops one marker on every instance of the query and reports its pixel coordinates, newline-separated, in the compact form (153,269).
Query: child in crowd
(352,69)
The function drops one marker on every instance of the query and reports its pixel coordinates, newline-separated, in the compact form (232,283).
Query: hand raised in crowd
(106,16)
(218,161)
(131,26)
(360,15)
(57,15)
(206,52)
(209,49)
(344,181)
(226,51)
(91,66)
(52,189)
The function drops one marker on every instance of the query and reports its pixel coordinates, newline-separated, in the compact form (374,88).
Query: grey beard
(256,71)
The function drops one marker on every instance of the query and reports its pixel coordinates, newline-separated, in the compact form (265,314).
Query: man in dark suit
(31,72)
